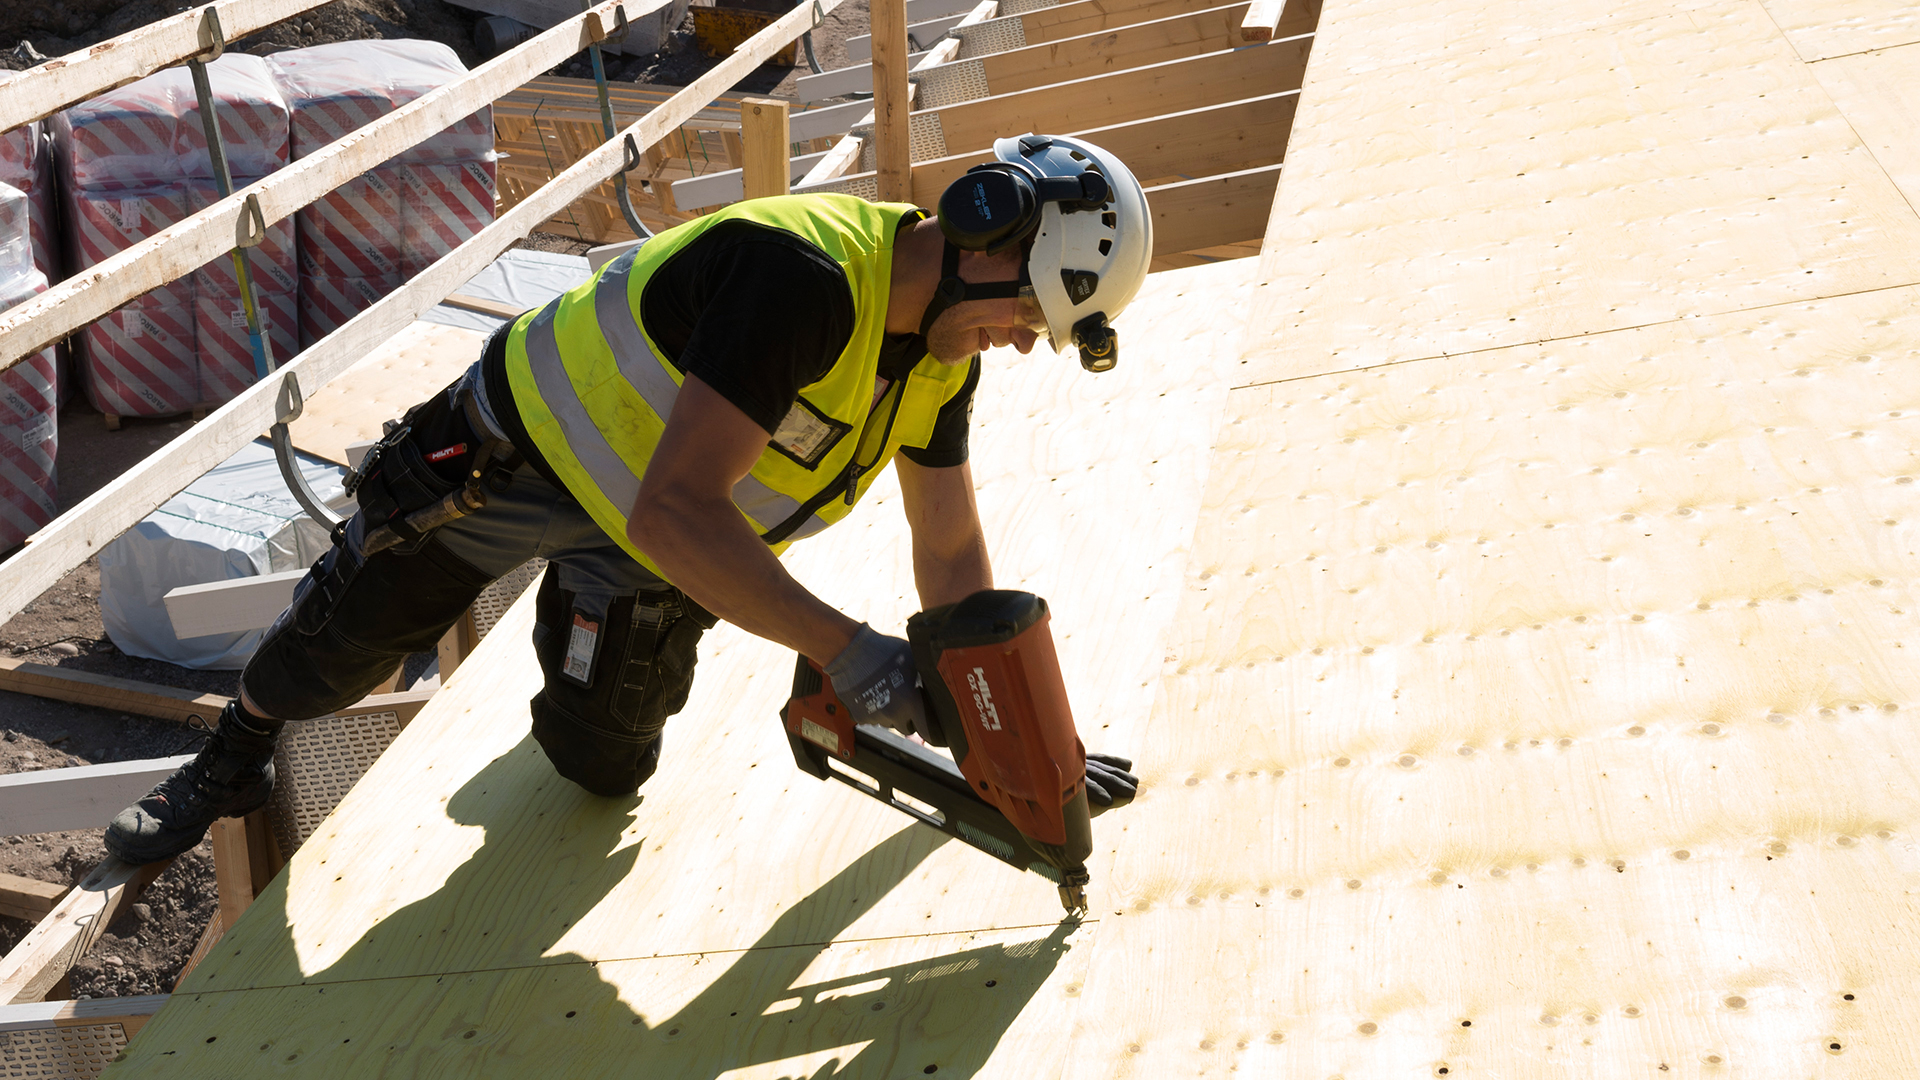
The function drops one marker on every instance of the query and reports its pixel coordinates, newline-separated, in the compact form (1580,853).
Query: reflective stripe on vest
(646,370)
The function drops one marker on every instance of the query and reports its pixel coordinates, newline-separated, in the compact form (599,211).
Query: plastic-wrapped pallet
(28,434)
(368,236)
(26,163)
(135,161)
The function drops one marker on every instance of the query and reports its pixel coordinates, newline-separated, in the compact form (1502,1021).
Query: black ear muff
(990,209)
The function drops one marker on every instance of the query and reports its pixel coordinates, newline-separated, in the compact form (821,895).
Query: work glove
(874,675)
(1109,784)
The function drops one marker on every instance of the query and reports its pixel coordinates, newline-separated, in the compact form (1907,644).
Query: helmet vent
(1110,219)
(1106,247)
(1077,155)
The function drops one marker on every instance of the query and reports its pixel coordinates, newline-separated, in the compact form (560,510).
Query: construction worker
(661,433)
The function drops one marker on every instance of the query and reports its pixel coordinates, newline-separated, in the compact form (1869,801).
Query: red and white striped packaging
(225,350)
(326,303)
(336,89)
(102,224)
(26,164)
(28,431)
(149,132)
(272,263)
(357,229)
(16,227)
(446,204)
(140,359)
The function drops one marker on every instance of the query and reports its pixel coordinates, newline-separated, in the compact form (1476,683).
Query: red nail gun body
(996,697)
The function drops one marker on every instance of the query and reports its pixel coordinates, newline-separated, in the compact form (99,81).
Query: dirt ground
(144,951)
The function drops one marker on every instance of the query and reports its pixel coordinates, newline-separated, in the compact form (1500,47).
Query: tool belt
(434,465)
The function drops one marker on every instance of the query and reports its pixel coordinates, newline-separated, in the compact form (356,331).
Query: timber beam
(68,80)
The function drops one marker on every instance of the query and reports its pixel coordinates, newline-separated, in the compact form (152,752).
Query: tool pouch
(615,670)
(419,462)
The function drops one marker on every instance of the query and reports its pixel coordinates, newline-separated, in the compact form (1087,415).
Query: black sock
(258,726)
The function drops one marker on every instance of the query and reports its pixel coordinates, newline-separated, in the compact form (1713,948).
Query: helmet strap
(952,290)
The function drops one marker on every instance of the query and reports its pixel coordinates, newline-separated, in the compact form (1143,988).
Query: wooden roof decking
(1506,586)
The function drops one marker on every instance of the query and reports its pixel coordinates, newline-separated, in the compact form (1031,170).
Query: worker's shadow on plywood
(889,1009)
(551,854)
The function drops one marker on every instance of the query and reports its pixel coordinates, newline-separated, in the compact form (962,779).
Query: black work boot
(232,775)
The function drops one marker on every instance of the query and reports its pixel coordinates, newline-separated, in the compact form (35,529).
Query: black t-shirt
(757,313)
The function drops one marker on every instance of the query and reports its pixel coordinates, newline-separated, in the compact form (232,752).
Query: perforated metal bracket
(212,36)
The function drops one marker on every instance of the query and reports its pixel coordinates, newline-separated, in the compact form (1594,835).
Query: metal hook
(819,14)
(619,31)
(251,228)
(290,404)
(211,35)
(633,156)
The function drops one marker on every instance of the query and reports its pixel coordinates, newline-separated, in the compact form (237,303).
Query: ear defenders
(995,206)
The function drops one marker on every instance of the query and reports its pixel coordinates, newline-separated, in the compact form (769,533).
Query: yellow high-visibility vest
(595,391)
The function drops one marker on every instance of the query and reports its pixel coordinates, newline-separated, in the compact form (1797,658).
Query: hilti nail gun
(996,698)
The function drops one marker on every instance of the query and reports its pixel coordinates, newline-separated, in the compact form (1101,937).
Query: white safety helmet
(1089,229)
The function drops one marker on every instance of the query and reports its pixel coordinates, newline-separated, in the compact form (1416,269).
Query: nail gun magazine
(1015,785)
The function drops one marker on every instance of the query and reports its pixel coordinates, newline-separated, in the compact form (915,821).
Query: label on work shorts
(819,736)
(454,451)
(579,665)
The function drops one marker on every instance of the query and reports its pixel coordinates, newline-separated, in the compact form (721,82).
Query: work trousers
(615,643)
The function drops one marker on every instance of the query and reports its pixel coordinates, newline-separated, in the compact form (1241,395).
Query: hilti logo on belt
(983,700)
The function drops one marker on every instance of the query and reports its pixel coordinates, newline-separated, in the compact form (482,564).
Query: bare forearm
(947,577)
(710,553)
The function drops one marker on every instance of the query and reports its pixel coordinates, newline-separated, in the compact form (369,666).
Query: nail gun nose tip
(1074,899)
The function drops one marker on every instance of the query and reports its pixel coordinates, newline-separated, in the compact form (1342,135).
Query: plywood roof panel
(1820,29)
(1563,690)
(1879,94)
(1680,165)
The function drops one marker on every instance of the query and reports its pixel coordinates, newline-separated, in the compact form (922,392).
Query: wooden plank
(716,189)
(232,871)
(225,607)
(835,163)
(1213,210)
(42,958)
(79,797)
(26,898)
(1084,17)
(393,377)
(854,79)
(106,691)
(131,1013)
(183,248)
(1262,20)
(860,46)
(1123,96)
(68,80)
(763,128)
(484,306)
(892,157)
(1200,142)
(1104,51)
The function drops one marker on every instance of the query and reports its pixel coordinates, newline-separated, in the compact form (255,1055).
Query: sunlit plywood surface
(1826,28)
(502,868)
(1681,165)
(1544,712)
(1879,94)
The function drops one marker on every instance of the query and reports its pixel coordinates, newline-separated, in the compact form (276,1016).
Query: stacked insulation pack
(27,403)
(26,163)
(363,240)
(135,161)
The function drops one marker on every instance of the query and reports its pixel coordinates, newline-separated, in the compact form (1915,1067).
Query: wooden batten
(47,88)
(41,959)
